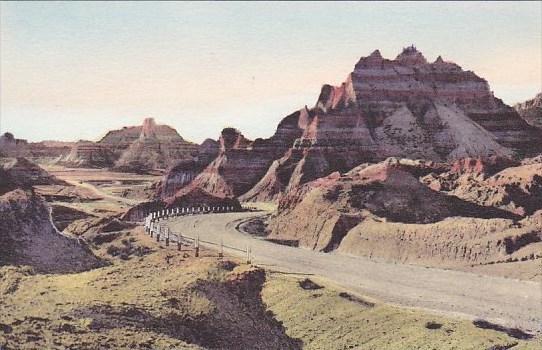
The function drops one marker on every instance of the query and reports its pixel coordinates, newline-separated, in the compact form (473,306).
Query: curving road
(503,301)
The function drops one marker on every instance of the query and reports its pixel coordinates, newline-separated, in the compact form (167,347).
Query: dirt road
(504,301)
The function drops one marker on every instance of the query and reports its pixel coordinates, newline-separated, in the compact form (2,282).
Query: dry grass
(323,319)
(146,303)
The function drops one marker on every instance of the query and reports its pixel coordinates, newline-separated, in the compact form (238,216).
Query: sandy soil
(500,300)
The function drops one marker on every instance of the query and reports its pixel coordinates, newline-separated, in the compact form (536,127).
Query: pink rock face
(406,108)
(241,163)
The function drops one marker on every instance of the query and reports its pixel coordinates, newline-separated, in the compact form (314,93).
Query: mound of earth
(28,237)
(531,110)
(452,242)
(99,230)
(22,173)
(67,193)
(320,213)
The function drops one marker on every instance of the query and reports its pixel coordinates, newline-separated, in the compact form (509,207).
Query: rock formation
(384,211)
(12,147)
(531,110)
(136,149)
(45,150)
(241,163)
(515,188)
(406,108)
(321,212)
(28,237)
(87,154)
(183,172)
(157,147)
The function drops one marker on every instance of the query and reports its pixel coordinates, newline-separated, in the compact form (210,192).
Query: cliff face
(183,172)
(531,110)
(405,107)
(28,237)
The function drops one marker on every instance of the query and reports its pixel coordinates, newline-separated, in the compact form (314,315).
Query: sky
(73,70)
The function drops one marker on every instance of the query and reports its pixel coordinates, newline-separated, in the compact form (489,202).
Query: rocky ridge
(406,108)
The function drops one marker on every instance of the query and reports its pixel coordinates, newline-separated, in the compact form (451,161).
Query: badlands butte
(409,166)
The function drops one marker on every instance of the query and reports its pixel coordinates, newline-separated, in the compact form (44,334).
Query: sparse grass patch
(336,320)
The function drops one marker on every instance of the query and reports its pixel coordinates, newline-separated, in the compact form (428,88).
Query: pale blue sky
(75,70)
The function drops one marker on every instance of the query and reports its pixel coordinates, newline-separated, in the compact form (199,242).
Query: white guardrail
(156,228)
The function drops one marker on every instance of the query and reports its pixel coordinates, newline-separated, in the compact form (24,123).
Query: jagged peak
(376,54)
(410,50)
(439,60)
(411,56)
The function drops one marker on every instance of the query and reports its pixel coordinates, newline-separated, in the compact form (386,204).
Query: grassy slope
(144,303)
(324,320)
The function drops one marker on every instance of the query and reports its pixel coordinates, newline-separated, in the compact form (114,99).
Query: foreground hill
(28,237)
(22,173)
(167,299)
